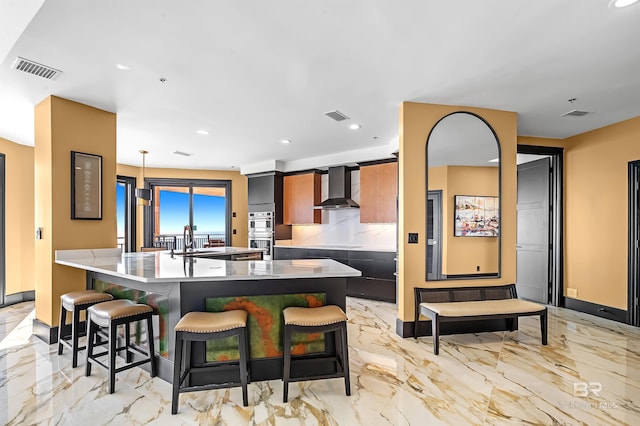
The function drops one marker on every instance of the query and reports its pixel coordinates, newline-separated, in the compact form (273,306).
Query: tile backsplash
(343,227)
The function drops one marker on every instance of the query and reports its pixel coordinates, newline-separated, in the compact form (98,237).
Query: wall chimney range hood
(339,190)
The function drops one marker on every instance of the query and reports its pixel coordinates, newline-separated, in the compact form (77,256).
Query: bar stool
(323,319)
(200,327)
(110,315)
(76,302)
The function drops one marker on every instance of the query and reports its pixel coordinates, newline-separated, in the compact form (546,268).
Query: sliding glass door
(204,205)
(126,213)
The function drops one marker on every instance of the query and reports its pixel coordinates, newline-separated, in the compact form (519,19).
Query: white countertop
(337,246)
(150,267)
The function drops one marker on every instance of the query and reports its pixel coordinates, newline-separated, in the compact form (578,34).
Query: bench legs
(543,327)
(512,324)
(435,332)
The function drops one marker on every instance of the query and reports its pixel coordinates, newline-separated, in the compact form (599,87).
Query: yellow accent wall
(462,255)
(62,126)
(19,211)
(416,121)
(596,215)
(239,194)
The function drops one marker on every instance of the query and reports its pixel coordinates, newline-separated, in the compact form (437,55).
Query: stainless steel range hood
(339,190)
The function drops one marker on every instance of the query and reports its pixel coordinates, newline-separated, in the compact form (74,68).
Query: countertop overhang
(161,267)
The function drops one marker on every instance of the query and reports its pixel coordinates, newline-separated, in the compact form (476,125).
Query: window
(205,205)
(126,213)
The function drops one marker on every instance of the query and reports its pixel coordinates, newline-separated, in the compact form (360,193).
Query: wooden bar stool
(200,327)
(76,302)
(323,319)
(110,315)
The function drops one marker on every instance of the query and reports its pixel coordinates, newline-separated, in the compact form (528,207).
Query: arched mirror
(463,200)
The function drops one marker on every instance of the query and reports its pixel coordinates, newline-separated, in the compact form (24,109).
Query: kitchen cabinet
(301,193)
(378,193)
(378,281)
(265,194)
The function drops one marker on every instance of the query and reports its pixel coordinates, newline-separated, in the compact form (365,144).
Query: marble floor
(588,374)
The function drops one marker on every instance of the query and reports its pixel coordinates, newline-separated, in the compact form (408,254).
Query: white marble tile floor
(588,374)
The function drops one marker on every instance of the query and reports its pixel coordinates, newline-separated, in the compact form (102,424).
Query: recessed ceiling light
(123,67)
(202,132)
(622,3)
(285,141)
(354,126)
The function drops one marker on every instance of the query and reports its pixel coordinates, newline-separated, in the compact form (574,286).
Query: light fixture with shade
(143,195)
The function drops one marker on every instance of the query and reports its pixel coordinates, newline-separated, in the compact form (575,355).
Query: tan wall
(239,194)
(464,254)
(596,216)
(62,126)
(19,214)
(416,120)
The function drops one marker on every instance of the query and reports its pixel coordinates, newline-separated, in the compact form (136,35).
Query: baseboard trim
(44,332)
(23,296)
(601,311)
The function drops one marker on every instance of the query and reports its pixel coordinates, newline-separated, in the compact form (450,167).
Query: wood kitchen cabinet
(301,193)
(378,193)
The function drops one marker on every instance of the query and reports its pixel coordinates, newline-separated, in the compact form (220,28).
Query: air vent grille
(185,154)
(34,68)
(336,115)
(574,113)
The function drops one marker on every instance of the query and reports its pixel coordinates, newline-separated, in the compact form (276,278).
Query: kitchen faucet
(187,237)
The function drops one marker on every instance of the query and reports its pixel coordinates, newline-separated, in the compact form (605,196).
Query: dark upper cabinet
(262,190)
(266,195)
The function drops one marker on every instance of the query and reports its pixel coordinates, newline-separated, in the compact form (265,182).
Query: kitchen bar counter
(352,247)
(157,267)
(175,285)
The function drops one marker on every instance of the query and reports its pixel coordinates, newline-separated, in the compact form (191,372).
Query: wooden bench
(474,303)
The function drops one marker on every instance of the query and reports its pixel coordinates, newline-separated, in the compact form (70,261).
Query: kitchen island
(174,285)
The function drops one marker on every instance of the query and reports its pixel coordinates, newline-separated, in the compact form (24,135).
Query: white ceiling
(256,72)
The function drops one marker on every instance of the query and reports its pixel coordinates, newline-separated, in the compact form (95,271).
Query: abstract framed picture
(476,216)
(86,186)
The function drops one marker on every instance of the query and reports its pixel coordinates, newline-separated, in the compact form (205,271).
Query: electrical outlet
(478,268)
(413,238)
(572,292)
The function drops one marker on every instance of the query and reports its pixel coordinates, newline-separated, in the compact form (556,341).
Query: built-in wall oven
(261,232)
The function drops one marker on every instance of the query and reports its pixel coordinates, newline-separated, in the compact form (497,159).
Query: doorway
(126,213)
(2,236)
(633,312)
(434,235)
(204,205)
(539,245)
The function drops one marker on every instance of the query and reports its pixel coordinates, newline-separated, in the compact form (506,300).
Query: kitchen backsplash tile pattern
(343,227)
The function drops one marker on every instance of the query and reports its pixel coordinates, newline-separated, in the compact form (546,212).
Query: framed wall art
(476,216)
(86,186)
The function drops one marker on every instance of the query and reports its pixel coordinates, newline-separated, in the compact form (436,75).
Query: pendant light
(143,195)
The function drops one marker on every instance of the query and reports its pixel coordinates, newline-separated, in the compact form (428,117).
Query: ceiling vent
(184,154)
(574,113)
(30,67)
(336,115)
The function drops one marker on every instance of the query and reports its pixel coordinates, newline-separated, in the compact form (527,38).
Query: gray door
(2,236)
(434,235)
(532,247)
